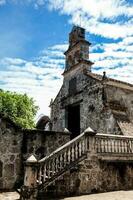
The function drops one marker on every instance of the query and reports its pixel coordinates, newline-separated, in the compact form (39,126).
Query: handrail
(114,136)
(62,147)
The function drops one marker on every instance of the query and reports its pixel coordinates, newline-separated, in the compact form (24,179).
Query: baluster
(65,158)
(102,150)
(117,145)
(63,164)
(86,143)
(128,146)
(44,172)
(121,150)
(124,146)
(96,145)
(111,146)
(40,175)
(104,145)
(52,167)
(114,150)
(61,161)
(69,155)
(76,150)
(73,158)
(56,164)
(83,145)
(99,145)
(48,169)
(80,149)
(108,144)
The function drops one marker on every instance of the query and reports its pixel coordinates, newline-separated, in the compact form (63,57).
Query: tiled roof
(93,75)
(111,81)
(126,127)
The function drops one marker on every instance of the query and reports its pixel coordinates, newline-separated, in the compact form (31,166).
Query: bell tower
(78,50)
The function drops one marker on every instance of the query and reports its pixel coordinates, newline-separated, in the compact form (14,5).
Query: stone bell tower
(78,50)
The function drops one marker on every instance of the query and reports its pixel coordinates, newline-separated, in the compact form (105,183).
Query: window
(72,86)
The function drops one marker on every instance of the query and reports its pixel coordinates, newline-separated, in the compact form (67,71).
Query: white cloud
(2,2)
(115,59)
(41,82)
(97,16)
(107,18)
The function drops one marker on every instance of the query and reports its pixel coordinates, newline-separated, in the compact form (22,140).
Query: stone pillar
(90,134)
(29,189)
(30,172)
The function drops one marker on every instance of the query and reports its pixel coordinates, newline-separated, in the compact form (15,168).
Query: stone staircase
(87,146)
(62,160)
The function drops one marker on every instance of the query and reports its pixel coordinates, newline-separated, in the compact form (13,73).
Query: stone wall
(42,143)
(16,145)
(92,176)
(10,154)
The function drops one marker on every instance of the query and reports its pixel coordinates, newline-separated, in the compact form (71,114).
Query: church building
(87,99)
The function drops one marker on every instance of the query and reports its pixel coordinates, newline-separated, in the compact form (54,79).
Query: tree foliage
(18,107)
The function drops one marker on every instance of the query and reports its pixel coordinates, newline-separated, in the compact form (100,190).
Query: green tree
(18,107)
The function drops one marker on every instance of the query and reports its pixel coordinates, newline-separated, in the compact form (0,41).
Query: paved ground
(119,195)
(9,196)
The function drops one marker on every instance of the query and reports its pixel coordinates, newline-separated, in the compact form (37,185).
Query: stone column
(29,189)
(90,135)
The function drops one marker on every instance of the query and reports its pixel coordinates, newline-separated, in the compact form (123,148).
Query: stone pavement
(9,196)
(119,195)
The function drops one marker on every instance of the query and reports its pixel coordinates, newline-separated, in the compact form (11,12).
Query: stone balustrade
(63,158)
(113,144)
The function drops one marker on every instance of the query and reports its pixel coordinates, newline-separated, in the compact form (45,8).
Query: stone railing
(64,158)
(113,144)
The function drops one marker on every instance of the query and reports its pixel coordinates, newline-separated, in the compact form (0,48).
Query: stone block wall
(10,155)
(16,145)
(42,143)
(92,176)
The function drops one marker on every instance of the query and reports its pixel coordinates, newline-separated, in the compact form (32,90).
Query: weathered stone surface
(1,169)
(9,170)
(103,101)
(17,145)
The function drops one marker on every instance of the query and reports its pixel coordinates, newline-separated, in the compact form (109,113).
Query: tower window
(72,86)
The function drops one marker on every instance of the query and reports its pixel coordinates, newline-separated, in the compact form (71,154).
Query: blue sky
(34,35)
